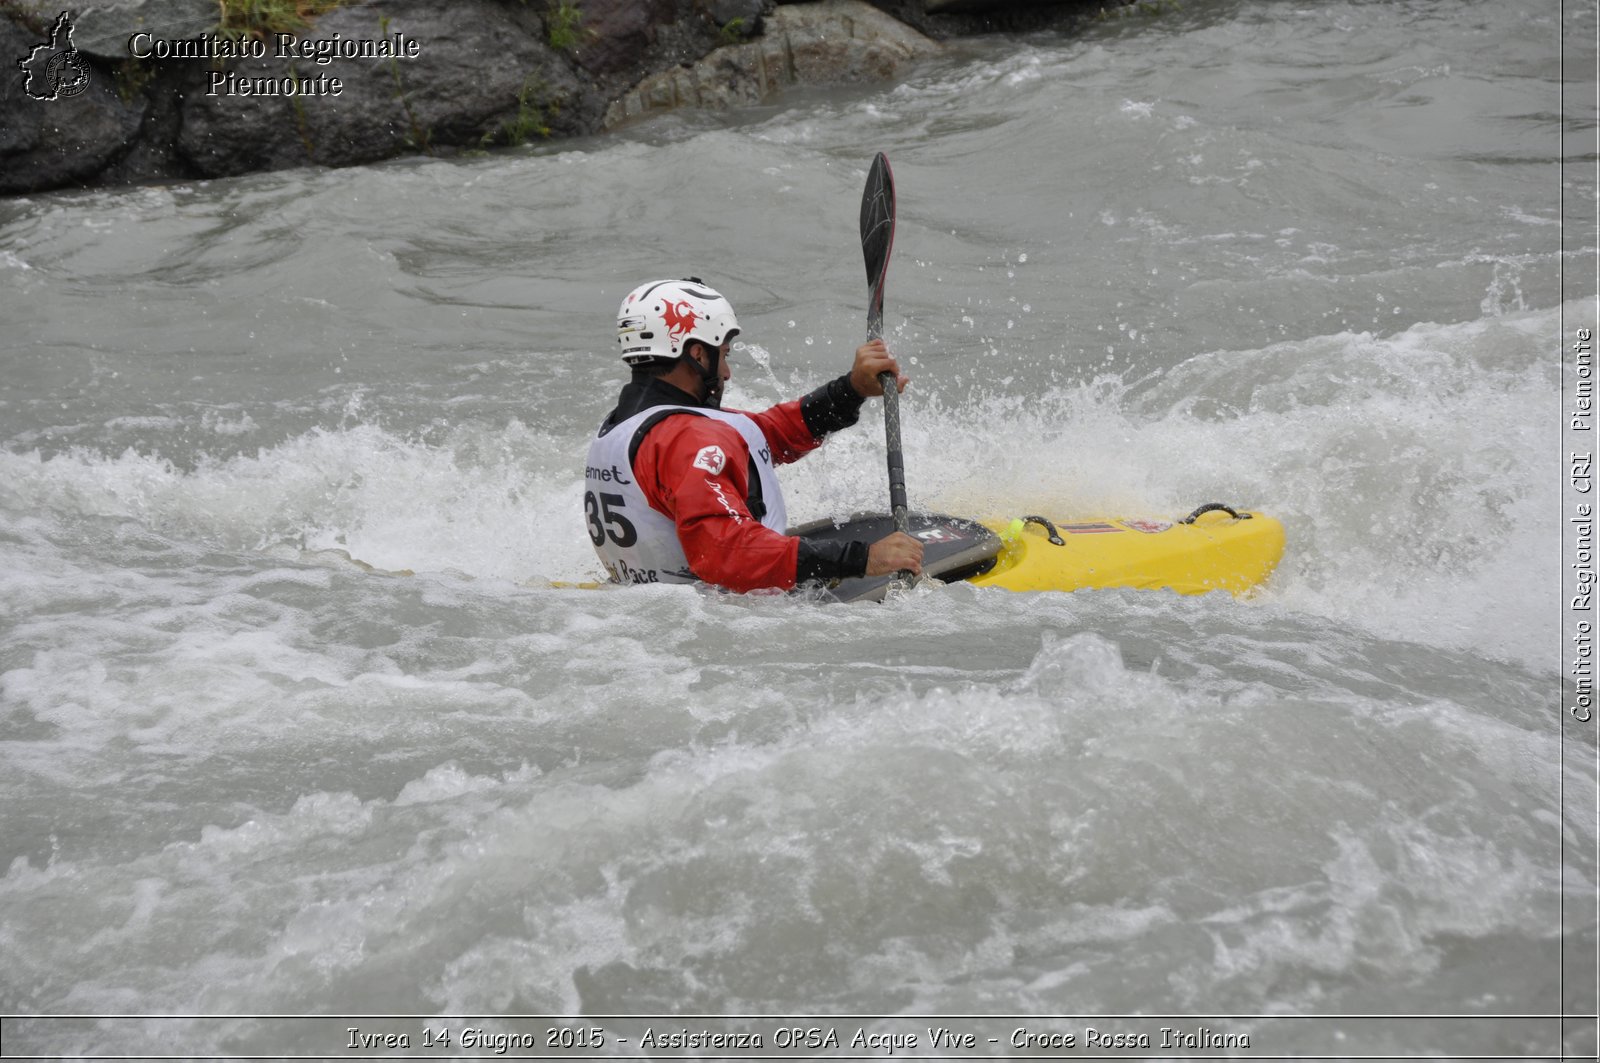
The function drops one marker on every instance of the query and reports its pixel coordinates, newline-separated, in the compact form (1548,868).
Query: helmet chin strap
(710,376)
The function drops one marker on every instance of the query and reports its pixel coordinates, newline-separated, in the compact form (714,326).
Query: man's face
(722,361)
(701,353)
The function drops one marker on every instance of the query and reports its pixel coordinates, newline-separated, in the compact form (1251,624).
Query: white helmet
(658,319)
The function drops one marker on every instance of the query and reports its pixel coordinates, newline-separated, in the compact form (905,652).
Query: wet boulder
(62,120)
(105,28)
(819,43)
(939,7)
(469,73)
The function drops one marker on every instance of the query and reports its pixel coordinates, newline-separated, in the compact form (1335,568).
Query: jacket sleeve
(795,428)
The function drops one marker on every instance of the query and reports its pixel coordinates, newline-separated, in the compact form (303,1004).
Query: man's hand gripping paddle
(877,240)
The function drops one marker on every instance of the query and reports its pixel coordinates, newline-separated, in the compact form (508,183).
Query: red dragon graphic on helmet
(680,317)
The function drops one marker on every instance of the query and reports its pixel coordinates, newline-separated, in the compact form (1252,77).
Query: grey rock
(226,135)
(487,73)
(826,42)
(745,15)
(103,27)
(937,7)
(944,19)
(480,76)
(60,142)
(151,156)
(615,34)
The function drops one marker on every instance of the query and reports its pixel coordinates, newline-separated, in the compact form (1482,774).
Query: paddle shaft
(891,421)
(897,462)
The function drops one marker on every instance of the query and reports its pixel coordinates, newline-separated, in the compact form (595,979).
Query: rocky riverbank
(129,91)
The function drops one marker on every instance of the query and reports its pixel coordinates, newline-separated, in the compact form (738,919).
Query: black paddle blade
(877,237)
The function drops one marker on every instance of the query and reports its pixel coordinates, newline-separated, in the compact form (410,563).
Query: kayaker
(679,490)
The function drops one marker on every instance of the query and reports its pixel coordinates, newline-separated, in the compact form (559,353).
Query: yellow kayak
(1219,549)
(1214,548)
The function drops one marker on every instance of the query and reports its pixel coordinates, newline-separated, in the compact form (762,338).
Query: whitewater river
(1302,257)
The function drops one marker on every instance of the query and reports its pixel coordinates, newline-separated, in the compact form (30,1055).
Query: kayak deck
(1217,550)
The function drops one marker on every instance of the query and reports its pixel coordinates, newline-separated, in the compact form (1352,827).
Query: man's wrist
(822,560)
(835,405)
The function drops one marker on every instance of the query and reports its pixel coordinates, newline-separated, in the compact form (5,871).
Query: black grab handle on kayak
(1055,536)
(1214,507)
